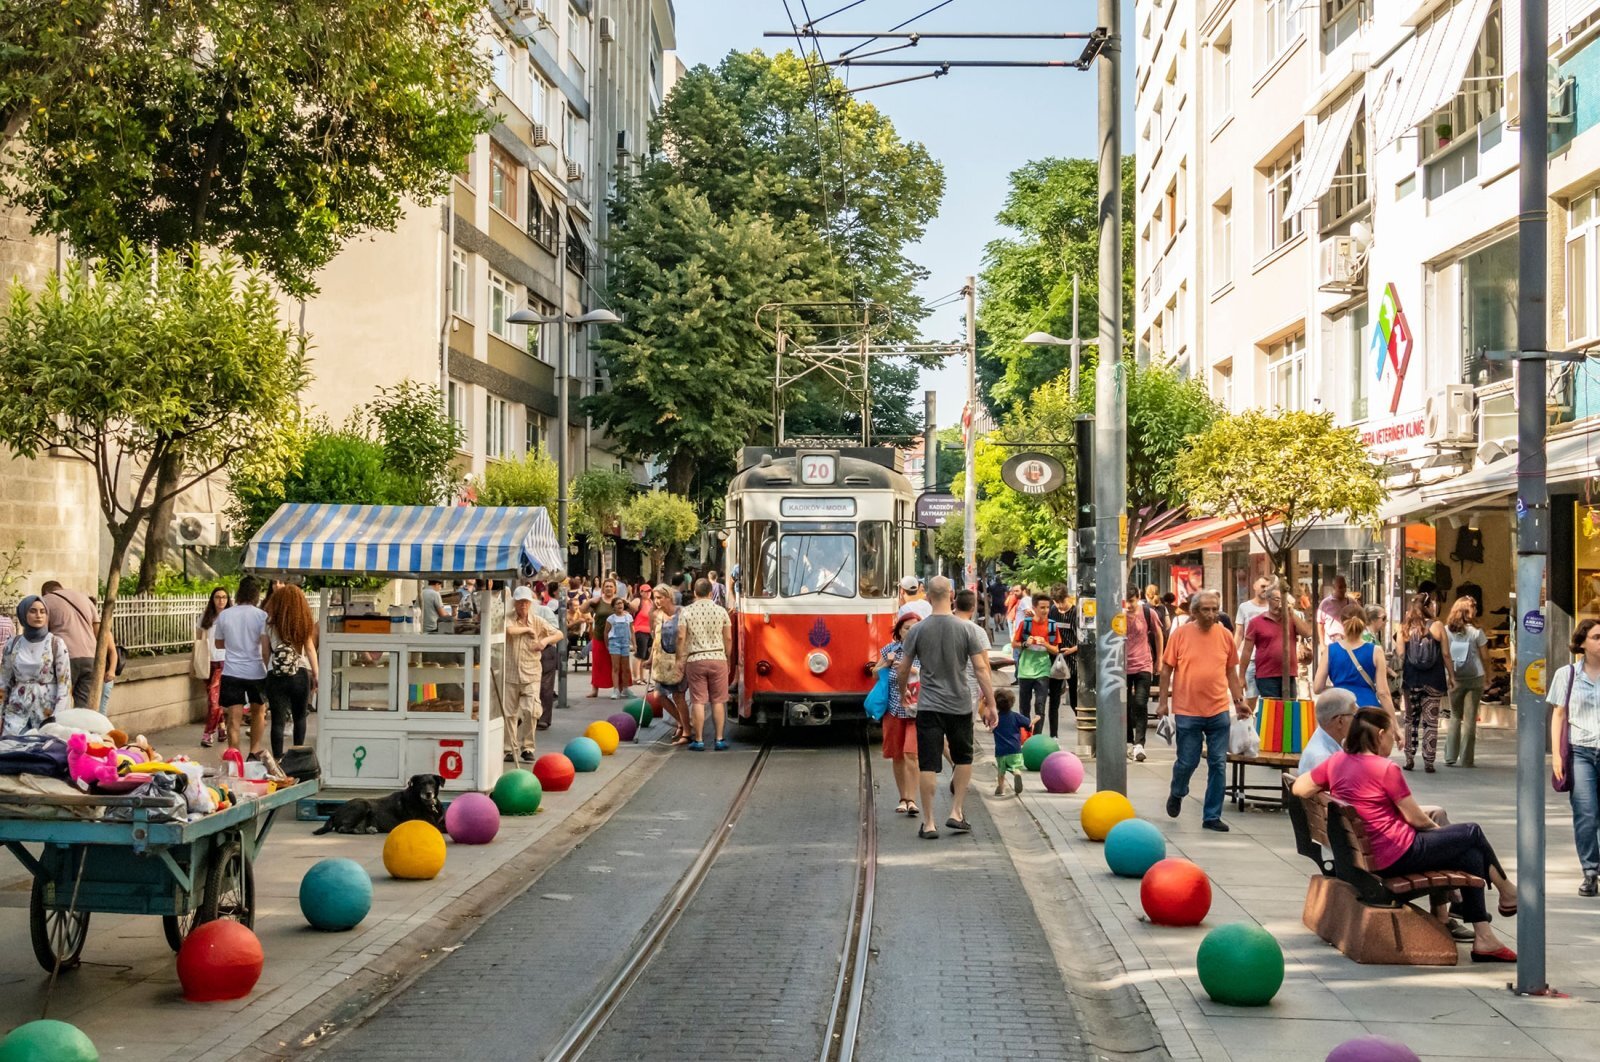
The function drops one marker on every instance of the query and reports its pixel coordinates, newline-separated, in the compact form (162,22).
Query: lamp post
(561,321)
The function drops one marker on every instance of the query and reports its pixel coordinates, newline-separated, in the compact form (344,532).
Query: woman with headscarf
(35,671)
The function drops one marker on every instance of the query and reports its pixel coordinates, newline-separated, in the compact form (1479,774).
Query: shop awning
(1428,71)
(1403,506)
(1187,537)
(1570,460)
(400,541)
(1322,161)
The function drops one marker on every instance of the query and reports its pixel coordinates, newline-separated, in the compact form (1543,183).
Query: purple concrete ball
(472,818)
(1372,1049)
(627,726)
(1061,772)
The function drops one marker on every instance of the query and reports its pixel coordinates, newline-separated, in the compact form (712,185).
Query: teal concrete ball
(335,895)
(1134,846)
(1241,965)
(1036,748)
(48,1041)
(584,754)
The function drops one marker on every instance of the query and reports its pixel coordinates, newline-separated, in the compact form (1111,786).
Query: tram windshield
(817,564)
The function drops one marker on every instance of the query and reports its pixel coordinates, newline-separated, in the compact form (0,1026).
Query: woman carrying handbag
(1575,735)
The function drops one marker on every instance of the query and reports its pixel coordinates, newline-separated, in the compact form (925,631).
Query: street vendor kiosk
(393,701)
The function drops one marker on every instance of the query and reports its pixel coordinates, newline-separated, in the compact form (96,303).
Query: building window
(1350,339)
(460,285)
(456,406)
(1170,212)
(1350,189)
(1222,74)
(496,427)
(1481,97)
(1287,382)
(1283,27)
(577,47)
(536,345)
(541,98)
(502,303)
(533,431)
(502,181)
(1222,385)
(1281,176)
(1583,221)
(1341,19)
(1222,243)
(541,220)
(500,67)
(1489,311)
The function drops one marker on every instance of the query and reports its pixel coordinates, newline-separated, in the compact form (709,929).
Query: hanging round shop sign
(1033,473)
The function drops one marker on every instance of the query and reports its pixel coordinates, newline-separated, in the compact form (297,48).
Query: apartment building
(1326,214)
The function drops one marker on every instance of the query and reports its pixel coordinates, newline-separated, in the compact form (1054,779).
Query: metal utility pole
(1533,498)
(969,493)
(1077,344)
(1086,658)
(563,366)
(1072,392)
(1110,435)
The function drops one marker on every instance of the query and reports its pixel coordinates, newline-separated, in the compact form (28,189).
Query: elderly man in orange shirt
(1200,682)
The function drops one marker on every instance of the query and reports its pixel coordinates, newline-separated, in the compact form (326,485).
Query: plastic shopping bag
(1243,739)
(878,698)
(1166,729)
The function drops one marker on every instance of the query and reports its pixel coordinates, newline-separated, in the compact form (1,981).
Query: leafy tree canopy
(532,480)
(276,128)
(598,495)
(662,521)
(418,439)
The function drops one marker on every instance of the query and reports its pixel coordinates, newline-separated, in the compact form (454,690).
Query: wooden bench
(1369,917)
(1237,791)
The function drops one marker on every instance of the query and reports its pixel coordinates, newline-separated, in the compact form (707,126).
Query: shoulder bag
(664,665)
(1562,740)
(1373,686)
(200,656)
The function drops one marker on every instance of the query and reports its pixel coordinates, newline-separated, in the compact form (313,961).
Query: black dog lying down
(418,800)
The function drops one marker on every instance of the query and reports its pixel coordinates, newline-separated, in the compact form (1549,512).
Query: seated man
(1335,708)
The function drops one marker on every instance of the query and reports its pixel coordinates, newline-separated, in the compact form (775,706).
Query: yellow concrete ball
(414,850)
(1103,811)
(603,734)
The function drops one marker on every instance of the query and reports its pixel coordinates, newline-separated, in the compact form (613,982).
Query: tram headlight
(817,662)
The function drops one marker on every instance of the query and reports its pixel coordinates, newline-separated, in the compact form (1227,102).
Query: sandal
(1507,912)
(912,809)
(900,808)
(959,825)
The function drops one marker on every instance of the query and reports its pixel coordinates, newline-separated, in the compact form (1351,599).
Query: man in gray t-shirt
(942,646)
(432,606)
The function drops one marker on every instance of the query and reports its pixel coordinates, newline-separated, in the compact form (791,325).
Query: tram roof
(773,470)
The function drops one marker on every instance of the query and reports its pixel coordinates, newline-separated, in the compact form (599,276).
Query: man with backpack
(1037,640)
(1145,643)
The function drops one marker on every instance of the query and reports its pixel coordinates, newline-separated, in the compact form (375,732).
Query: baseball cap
(909,584)
(522,593)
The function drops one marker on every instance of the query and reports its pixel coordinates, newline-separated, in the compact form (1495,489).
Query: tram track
(844,1013)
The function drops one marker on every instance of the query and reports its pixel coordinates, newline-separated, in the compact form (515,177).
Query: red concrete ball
(656,701)
(555,772)
(219,960)
(1175,892)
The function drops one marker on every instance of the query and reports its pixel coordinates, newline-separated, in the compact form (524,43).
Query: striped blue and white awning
(400,541)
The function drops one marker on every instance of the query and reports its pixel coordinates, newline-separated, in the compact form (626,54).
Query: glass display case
(362,680)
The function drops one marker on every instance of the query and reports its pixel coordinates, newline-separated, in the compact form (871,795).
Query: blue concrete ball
(1134,846)
(584,754)
(336,894)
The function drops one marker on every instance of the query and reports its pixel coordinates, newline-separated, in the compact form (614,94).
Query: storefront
(394,701)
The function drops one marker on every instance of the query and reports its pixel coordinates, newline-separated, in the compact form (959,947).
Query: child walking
(1008,742)
(619,645)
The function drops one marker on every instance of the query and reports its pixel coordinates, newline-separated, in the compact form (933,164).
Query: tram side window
(759,553)
(879,558)
(818,564)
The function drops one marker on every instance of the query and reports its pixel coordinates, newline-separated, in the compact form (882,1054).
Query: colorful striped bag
(1285,726)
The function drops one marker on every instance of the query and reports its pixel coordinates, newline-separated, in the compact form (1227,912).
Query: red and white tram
(821,539)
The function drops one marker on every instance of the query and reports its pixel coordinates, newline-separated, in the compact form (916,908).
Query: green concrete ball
(48,1041)
(517,793)
(1241,965)
(640,711)
(1036,748)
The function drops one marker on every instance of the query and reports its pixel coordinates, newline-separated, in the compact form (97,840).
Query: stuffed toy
(100,766)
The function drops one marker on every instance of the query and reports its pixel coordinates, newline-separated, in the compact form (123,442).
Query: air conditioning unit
(1344,265)
(1558,104)
(195,529)
(540,135)
(574,172)
(1449,419)
(524,8)
(607,28)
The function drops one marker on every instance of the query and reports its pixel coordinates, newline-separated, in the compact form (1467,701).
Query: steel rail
(844,1022)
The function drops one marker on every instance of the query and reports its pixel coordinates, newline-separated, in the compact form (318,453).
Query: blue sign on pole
(1533,622)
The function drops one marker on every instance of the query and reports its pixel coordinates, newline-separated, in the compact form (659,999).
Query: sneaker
(1590,886)
(1016,782)
(1130,753)
(697,746)
(510,758)
(721,746)
(207,740)
(611,695)
(1174,806)
(1215,824)
(1138,753)
(527,756)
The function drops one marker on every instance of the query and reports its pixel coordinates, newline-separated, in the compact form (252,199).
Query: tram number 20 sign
(818,470)
(1033,473)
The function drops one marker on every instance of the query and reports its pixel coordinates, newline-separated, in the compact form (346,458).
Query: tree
(598,495)
(419,439)
(1026,284)
(121,362)
(533,480)
(329,466)
(663,522)
(1166,413)
(1282,474)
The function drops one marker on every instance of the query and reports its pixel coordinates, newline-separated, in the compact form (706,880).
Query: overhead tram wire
(837,11)
(901,26)
(816,132)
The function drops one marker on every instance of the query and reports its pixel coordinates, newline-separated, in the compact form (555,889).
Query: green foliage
(418,438)
(277,129)
(171,582)
(947,539)
(747,204)
(1282,473)
(531,480)
(598,495)
(13,567)
(1044,568)
(662,521)
(1026,284)
(334,466)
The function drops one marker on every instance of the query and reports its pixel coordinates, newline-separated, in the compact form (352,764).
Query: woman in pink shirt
(1404,839)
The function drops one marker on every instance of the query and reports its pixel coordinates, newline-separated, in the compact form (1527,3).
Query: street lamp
(561,321)
(1045,339)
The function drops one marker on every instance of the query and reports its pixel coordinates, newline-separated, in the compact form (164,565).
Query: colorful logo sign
(1391,342)
(819,635)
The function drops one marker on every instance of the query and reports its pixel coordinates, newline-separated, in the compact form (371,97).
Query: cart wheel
(177,927)
(230,888)
(58,936)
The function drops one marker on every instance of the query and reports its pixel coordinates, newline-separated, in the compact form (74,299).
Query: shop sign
(934,507)
(1033,473)
(1396,436)
(1392,343)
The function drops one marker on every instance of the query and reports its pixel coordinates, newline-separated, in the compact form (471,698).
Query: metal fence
(147,625)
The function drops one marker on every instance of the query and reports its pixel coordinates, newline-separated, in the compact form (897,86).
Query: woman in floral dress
(35,672)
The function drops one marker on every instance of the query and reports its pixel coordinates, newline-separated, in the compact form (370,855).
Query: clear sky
(980,123)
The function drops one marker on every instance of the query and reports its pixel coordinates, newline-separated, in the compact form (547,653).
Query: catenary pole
(1533,498)
(563,363)
(969,493)
(1110,436)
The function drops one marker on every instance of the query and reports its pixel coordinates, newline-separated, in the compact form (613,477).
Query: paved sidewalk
(126,995)
(1443,1013)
